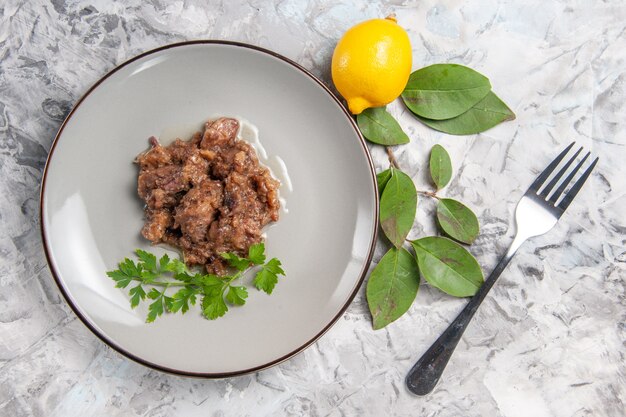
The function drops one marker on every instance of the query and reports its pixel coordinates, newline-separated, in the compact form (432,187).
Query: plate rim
(121,350)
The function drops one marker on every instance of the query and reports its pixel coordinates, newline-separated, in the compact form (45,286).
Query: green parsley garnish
(154,278)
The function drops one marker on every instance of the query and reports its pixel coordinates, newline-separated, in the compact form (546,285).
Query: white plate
(91,215)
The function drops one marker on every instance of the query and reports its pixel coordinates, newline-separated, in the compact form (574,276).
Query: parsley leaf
(208,280)
(214,306)
(267,277)
(182,299)
(235,261)
(136,295)
(185,277)
(256,253)
(121,279)
(237,295)
(164,261)
(156,308)
(129,268)
(176,266)
(154,294)
(147,277)
(148,259)
(156,276)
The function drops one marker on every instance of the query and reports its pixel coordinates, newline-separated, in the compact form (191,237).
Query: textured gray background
(549,342)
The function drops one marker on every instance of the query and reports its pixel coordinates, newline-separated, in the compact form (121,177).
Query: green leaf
(155,309)
(237,295)
(129,268)
(214,306)
(156,275)
(235,261)
(440,166)
(265,281)
(163,262)
(168,302)
(274,266)
(208,280)
(182,299)
(267,277)
(382,178)
(457,220)
(448,266)
(378,126)
(137,294)
(392,287)
(147,277)
(176,266)
(483,116)
(121,279)
(148,259)
(397,207)
(443,91)
(185,277)
(153,294)
(256,253)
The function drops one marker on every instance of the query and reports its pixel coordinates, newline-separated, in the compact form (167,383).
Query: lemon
(372,63)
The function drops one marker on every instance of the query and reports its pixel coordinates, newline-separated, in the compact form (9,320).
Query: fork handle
(426,372)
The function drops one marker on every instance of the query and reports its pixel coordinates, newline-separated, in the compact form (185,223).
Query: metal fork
(536,213)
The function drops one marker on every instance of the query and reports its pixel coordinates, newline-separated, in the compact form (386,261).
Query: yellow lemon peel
(372,63)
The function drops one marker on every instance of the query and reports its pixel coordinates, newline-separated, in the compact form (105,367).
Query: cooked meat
(168,178)
(198,208)
(206,196)
(157,222)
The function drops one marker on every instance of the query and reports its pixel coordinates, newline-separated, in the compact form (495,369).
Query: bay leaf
(486,114)
(392,287)
(398,204)
(440,166)
(382,178)
(448,266)
(443,91)
(378,126)
(457,220)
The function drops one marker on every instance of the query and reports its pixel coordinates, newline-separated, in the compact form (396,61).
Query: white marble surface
(548,342)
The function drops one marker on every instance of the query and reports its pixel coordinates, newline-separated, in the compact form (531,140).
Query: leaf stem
(230,279)
(163,284)
(431,194)
(168,284)
(392,159)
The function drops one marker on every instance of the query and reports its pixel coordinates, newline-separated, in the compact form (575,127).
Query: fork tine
(569,196)
(567,180)
(546,191)
(546,172)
